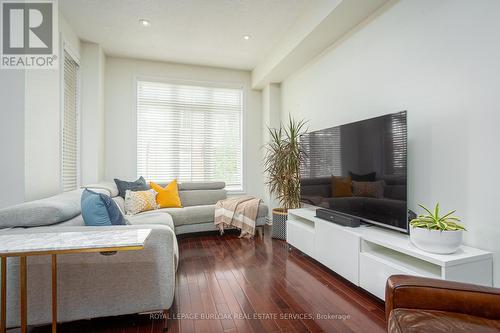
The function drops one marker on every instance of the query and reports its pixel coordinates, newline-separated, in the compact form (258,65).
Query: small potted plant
(282,166)
(436,234)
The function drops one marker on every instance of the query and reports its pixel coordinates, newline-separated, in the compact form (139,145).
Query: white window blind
(188,132)
(70,125)
(398,136)
(323,151)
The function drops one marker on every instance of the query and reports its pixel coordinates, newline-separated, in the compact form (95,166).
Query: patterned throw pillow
(140,201)
(368,189)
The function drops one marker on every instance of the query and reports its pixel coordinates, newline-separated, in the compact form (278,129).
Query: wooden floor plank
(257,285)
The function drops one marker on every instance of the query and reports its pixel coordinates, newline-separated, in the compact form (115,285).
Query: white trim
(244,142)
(78,124)
(199,83)
(214,84)
(61,110)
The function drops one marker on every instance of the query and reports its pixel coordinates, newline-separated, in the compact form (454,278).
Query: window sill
(232,193)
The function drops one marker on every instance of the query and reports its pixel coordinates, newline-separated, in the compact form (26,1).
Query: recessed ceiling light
(246,37)
(145,23)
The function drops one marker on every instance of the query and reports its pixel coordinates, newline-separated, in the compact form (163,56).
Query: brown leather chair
(415,304)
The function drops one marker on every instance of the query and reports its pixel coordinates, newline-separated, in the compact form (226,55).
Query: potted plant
(282,166)
(436,234)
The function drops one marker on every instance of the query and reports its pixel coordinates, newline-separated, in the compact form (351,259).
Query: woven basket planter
(280,216)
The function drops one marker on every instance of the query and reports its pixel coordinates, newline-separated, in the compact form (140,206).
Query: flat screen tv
(359,169)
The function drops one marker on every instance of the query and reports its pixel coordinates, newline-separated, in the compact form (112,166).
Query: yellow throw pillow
(341,187)
(168,196)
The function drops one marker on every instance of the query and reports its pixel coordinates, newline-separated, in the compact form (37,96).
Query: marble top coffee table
(23,245)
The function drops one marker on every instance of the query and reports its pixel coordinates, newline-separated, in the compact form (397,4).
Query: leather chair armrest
(412,292)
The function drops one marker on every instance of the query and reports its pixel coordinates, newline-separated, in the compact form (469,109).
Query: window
(189,132)
(70,123)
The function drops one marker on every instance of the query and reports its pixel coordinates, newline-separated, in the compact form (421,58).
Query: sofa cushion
(99,210)
(104,185)
(151,217)
(321,187)
(42,212)
(186,186)
(201,197)
(397,192)
(191,215)
(201,186)
(394,180)
(198,214)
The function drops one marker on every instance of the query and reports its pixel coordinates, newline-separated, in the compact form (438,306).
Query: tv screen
(359,169)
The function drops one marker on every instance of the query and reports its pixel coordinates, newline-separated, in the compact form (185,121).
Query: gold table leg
(3,306)
(24,294)
(54,293)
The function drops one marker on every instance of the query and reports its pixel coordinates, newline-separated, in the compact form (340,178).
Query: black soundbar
(338,218)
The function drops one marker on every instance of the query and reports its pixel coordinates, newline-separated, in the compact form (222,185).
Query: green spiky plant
(433,221)
(282,162)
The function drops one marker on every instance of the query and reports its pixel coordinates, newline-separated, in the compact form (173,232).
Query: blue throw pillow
(99,210)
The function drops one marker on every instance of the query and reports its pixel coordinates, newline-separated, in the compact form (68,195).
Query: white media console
(368,255)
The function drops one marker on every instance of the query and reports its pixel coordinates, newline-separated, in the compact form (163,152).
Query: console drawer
(301,236)
(373,274)
(338,249)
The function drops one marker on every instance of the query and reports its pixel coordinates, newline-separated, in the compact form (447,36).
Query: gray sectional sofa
(93,285)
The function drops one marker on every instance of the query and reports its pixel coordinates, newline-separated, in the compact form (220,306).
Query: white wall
(43,124)
(305,24)
(42,137)
(120,111)
(92,113)
(440,61)
(12,136)
(69,36)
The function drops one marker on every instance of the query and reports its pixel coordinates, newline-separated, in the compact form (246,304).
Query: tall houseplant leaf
(282,162)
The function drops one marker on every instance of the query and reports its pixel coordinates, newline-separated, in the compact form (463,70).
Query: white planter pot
(436,241)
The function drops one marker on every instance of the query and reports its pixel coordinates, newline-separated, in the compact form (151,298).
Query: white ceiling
(202,32)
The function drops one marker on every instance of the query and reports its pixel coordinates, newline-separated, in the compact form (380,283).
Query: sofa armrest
(411,292)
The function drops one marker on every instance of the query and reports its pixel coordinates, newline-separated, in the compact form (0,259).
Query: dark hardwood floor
(227,284)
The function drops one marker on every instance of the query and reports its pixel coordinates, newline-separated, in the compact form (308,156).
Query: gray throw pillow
(138,185)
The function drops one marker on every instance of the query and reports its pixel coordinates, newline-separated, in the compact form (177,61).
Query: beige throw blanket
(238,212)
